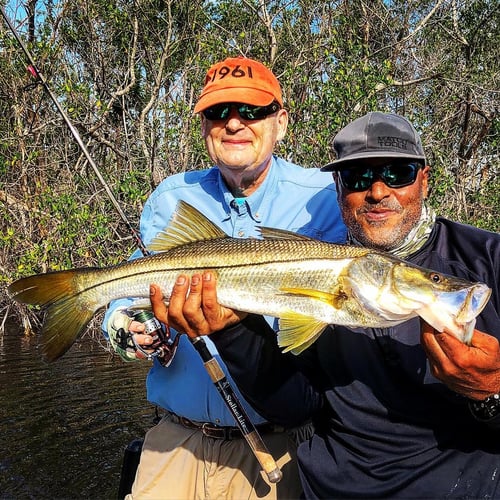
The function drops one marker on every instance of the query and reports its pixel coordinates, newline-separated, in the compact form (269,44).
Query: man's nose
(379,190)
(234,120)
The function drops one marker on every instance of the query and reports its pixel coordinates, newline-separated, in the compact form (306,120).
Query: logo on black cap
(392,142)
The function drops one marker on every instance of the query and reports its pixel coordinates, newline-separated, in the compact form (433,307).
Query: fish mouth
(468,302)
(458,310)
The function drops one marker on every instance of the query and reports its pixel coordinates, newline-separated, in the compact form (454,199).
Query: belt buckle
(207,429)
(216,432)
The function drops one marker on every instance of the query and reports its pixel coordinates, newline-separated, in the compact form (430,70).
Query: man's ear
(425,181)
(282,124)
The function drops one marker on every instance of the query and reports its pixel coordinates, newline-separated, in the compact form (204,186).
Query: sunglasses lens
(246,111)
(393,175)
(218,112)
(399,175)
(357,179)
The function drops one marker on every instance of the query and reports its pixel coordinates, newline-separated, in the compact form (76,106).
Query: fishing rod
(245,425)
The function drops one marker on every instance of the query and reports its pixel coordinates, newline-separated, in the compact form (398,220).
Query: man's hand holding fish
(472,370)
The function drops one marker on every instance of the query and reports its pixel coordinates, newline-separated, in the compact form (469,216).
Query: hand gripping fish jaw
(163,346)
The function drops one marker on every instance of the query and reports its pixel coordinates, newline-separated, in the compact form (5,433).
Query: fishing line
(248,430)
(35,72)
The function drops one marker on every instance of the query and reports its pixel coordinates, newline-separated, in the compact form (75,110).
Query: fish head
(390,294)
(447,303)
(393,291)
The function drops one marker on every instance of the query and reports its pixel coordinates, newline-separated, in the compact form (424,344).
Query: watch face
(486,409)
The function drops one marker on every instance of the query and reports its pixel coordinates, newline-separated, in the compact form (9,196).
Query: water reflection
(64,425)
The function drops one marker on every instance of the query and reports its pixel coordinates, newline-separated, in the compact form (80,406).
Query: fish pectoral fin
(297,331)
(187,225)
(335,299)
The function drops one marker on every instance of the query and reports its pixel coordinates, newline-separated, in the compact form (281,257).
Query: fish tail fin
(43,289)
(64,321)
(67,313)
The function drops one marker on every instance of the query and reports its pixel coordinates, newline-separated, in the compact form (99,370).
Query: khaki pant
(183,464)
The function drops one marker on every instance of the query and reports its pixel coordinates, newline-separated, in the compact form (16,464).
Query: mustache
(392,205)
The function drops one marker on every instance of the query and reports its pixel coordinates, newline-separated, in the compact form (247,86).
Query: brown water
(64,426)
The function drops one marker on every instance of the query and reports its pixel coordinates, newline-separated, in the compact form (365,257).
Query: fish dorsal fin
(271,233)
(297,332)
(187,225)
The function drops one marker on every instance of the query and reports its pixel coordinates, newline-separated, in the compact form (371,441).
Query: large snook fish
(306,283)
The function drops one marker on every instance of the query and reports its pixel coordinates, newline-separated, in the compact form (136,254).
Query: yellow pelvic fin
(335,299)
(187,225)
(297,332)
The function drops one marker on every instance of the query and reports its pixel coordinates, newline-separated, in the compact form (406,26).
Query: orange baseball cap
(239,79)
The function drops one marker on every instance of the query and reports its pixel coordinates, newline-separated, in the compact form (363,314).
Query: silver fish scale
(275,288)
(250,266)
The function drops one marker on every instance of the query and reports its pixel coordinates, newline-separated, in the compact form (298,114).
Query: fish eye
(436,277)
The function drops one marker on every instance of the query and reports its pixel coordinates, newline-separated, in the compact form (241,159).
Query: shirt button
(241,234)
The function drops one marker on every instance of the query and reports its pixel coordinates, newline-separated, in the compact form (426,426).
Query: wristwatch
(487,408)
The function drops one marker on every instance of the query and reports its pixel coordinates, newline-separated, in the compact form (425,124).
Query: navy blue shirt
(291,197)
(385,427)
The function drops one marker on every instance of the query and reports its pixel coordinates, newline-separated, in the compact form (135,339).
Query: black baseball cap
(376,135)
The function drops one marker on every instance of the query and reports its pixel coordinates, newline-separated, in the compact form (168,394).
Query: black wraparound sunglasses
(246,111)
(394,175)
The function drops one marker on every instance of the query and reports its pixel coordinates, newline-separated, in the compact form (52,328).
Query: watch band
(487,408)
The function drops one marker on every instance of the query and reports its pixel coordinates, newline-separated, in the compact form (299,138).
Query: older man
(197,451)
(401,412)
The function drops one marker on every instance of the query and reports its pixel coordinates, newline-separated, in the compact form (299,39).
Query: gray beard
(415,239)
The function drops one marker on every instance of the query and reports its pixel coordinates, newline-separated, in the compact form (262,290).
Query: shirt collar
(258,202)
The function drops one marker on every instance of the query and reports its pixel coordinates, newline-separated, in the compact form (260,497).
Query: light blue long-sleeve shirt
(291,197)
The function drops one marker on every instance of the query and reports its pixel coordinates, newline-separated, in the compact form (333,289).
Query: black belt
(221,432)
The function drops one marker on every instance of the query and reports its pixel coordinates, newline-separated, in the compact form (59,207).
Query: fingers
(143,341)
(210,305)
(159,307)
(438,344)
(485,342)
(184,312)
(136,327)
(443,349)
(429,340)
(175,317)
(193,306)
(192,311)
